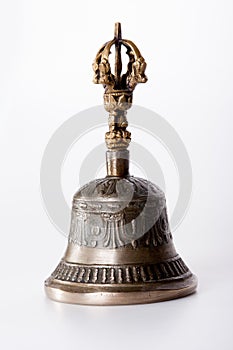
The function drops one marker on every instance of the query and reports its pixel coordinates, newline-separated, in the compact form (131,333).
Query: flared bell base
(119,277)
(142,293)
(120,249)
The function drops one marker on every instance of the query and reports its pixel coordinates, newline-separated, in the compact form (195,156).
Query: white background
(46,52)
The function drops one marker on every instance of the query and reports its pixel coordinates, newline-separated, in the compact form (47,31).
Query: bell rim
(155,292)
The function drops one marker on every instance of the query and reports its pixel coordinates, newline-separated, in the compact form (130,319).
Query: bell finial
(135,70)
(118,95)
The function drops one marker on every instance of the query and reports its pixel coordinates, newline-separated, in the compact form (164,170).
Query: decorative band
(120,274)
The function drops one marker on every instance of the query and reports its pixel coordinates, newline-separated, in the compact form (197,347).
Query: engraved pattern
(78,228)
(113,229)
(172,269)
(115,187)
(113,232)
(158,235)
(113,212)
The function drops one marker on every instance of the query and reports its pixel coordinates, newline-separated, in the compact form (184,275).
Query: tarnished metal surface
(120,248)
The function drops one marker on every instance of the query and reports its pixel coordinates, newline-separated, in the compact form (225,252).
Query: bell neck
(117,163)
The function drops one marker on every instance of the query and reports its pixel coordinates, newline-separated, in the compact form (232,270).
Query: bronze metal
(120,248)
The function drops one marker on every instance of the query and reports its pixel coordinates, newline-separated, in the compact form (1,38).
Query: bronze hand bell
(120,248)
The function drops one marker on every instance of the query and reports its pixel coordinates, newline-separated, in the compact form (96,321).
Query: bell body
(120,248)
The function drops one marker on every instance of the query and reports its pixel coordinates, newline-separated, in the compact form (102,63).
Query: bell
(120,248)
